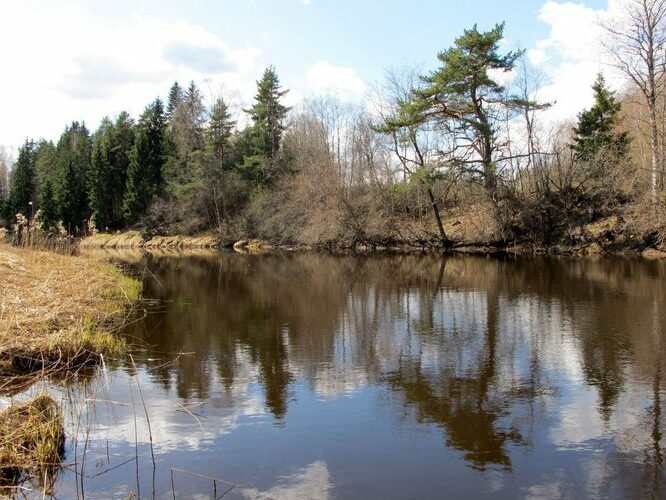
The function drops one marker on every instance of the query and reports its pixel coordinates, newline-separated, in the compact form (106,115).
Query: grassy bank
(58,311)
(469,233)
(57,314)
(133,239)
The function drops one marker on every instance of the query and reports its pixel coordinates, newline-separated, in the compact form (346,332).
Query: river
(385,376)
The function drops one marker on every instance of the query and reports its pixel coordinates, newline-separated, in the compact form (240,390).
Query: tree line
(182,154)
(454,155)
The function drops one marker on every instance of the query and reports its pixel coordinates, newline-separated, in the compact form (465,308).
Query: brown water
(314,376)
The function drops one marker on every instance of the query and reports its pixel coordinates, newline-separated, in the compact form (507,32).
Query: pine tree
(144,176)
(268,116)
(23,182)
(464,98)
(596,130)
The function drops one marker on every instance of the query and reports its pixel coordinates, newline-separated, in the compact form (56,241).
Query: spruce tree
(71,180)
(186,136)
(121,142)
(596,130)
(109,164)
(23,182)
(195,118)
(48,209)
(174,100)
(144,176)
(46,165)
(101,176)
(268,117)
(219,130)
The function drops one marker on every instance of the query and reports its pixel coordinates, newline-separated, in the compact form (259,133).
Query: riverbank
(605,237)
(58,313)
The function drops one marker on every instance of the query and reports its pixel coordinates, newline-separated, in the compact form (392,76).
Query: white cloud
(324,78)
(572,55)
(64,63)
(313,481)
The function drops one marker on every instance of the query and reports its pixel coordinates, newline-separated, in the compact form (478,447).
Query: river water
(317,376)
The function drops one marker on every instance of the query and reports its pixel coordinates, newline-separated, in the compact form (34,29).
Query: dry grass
(133,239)
(58,311)
(32,438)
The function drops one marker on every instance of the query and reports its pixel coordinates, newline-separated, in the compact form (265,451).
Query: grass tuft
(32,439)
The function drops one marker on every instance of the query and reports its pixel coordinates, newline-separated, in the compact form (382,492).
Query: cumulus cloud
(572,54)
(68,62)
(324,78)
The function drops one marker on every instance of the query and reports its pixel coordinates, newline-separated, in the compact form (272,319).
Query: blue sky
(81,59)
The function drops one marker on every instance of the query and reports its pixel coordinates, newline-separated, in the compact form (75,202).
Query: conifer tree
(175,99)
(71,183)
(195,118)
(186,136)
(596,130)
(46,163)
(109,164)
(463,99)
(48,209)
(219,130)
(22,187)
(268,117)
(121,142)
(101,177)
(144,176)
(4,182)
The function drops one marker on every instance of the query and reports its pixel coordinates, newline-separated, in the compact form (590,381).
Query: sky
(66,60)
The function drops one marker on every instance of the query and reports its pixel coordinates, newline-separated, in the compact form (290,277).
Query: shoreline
(60,313)
(598,247)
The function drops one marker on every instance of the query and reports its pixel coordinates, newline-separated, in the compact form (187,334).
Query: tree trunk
(654,145)
(435,208)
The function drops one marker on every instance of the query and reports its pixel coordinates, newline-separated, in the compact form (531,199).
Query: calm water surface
(314,376)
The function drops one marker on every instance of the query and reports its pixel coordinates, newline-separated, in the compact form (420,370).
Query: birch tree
(637,44)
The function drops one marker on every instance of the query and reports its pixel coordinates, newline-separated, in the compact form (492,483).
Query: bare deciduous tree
(637,43)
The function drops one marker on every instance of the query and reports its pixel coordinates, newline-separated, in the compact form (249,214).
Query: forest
(458,156)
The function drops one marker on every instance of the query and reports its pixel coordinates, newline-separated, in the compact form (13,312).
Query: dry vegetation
(32,439)
(57,311)
(57,314)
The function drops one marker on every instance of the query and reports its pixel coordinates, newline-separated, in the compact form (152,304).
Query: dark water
(312,376)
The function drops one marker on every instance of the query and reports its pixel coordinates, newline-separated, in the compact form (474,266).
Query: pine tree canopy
(464,99)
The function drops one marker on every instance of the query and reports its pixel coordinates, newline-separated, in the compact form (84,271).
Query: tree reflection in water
(476,346)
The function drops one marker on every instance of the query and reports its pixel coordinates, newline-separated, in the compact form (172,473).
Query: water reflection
(548,372)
